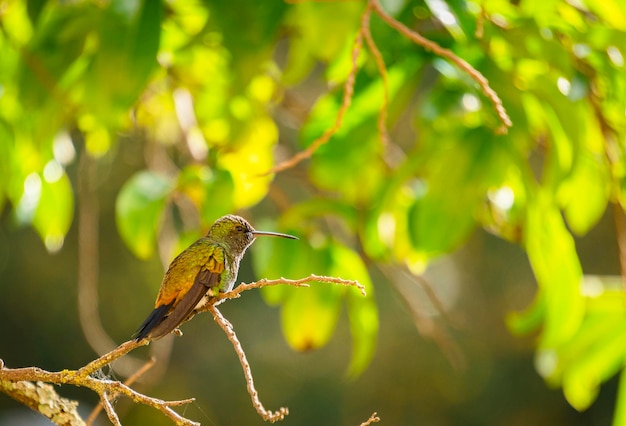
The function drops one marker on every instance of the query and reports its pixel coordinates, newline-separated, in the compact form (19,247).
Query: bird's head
(237,233)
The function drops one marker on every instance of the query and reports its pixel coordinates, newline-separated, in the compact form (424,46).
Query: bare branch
(382,70)
(132,379)
(83,377)
(271,416)
(302,282)
(459,62)
(115,387)
(373,419)
(348,88)
(104,399)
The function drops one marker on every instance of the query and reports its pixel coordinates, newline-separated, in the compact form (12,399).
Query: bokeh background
(127,128)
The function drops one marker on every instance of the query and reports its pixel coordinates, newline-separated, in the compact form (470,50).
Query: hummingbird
(205,268)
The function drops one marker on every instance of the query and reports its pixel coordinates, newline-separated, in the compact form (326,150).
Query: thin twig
(348,88)
(448,54)
(104,400)
(302,282)
(116,387)
(132,379)
(382,70)
(373,419)
(270,416)
(348,92)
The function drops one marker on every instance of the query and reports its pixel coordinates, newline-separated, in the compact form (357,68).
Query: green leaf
(210,190)
(139,208)
(456,178)
(553,257)
(250,45)
(128,34)
(278,257)
(351,162)
(309,315)
(612,11)
(57,43)
(529,320)
(55,210)
(585,194)
(619,417)
(594,365)
(362,311)
(316,22)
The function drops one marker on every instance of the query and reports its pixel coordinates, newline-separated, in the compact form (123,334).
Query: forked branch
(28,385)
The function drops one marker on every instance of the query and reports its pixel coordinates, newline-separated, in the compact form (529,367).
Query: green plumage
(212,262)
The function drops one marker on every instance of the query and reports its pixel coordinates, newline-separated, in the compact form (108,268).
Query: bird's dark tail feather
(166,318)
(155,318)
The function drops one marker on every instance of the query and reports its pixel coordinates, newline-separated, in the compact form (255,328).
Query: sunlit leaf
(249,159)
(277,257)
(455,181)
(586,193)
(587,371)
(211,191)
(138,211)
(551,248)
(610,10)
(522,323)
(362,311)
(620,405)
(360,174)
(309,316)
(57,42)
(55,209)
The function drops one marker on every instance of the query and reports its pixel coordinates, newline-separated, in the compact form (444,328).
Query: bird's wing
(165,318)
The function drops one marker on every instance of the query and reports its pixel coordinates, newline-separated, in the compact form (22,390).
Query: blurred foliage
(212,88)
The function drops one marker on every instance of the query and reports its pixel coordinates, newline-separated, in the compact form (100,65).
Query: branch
(373,419)
(382,70)
(132,379)
(348,87)
(17,382)
(348,92)
(88,254)
(459,62)
(42,397)
(83,377)
(302,282)
(271,416)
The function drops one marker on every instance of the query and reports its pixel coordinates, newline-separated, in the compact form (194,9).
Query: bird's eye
(239,229)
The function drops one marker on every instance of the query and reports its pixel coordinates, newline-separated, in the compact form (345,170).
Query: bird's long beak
(274,234)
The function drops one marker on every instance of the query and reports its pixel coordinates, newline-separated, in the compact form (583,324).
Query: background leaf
(139,209)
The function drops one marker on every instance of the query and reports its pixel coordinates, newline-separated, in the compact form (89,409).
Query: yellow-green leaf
(138,211)
(554,260)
